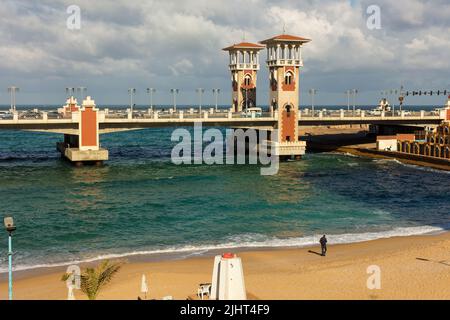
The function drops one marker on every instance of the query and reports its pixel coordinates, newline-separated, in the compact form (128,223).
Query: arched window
(288,78)
(247,80)
(288,110)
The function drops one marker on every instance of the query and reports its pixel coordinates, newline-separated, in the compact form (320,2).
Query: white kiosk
(228,278)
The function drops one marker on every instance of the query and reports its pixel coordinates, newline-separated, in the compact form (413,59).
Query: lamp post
(70,91)
(13,91)
(401,98)
(151,91)
(174,92)
(10,228)
(81,90)
(354,92)
(348,92)
(312,92)
(200,92)
(131,91)
(216,93)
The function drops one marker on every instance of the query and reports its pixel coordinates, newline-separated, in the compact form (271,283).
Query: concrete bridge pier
(286,150)
(84,147)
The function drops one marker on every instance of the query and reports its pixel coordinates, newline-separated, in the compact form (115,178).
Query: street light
(81,90)
(151,91)
(174,92)
(216,93)
(401,98)
(70,91)
(354,92)
(10,227)
(13,91)
(348,92)
(312,92)
(200,92)
(131,91)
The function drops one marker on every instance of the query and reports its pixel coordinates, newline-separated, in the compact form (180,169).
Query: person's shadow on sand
(444,262)
(319,254)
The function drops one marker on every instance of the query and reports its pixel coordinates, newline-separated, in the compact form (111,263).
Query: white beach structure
(228,278)
(144,286)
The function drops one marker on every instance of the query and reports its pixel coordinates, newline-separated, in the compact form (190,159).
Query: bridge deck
(119,121)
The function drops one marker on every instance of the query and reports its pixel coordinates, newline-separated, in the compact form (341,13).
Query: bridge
(82,125)
(71,119)
(124,120)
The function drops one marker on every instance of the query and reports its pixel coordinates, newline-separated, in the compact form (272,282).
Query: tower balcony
(244,66)
(285,62)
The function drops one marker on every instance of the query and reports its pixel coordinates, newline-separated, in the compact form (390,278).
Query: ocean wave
(251,241)
(408,165)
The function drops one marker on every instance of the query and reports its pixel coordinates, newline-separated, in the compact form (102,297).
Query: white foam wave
(422,168)
(251,241)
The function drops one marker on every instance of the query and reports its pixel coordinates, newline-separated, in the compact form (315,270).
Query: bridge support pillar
(84,147)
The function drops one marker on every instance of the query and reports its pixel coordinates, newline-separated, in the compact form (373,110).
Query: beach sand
(416,267)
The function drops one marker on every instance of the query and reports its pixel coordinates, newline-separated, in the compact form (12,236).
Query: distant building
(434,142)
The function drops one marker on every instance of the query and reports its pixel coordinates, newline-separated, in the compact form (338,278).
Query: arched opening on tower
(288,78)
(247,80)
(288,124)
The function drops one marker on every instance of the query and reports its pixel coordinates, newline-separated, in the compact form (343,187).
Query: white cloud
(126,42)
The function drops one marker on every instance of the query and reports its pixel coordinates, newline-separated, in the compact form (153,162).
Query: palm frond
(94,279)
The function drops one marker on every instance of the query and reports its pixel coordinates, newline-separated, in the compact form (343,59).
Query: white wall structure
(387,143)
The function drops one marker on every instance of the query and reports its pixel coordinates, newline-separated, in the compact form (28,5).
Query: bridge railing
(211,113)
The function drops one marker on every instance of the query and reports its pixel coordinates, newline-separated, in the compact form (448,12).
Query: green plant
(92,280)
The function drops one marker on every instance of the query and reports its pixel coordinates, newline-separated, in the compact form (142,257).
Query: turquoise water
(140,202)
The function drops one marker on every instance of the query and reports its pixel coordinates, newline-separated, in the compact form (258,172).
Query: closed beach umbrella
(144,286)
(70,295)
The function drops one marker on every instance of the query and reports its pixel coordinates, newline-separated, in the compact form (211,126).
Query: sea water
(140,203)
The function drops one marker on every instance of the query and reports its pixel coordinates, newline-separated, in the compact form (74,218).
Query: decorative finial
(243,36)
(284,27)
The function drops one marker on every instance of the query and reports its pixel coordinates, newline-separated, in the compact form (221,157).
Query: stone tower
(284,60)
(244,65)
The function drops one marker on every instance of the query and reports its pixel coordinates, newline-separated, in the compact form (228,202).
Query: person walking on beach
(323,244)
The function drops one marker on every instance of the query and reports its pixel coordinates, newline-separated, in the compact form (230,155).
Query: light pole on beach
(10,227)
(150,91)
(216,93)
(200,92)
(174,92)
(13,91)
(131,91)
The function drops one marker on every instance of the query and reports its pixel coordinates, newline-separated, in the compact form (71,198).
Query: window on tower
(288,77)
(247,80)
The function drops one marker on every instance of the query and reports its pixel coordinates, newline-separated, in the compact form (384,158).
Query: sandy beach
(416,267)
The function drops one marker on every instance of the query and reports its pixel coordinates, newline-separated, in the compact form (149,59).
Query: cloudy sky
(177,44)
